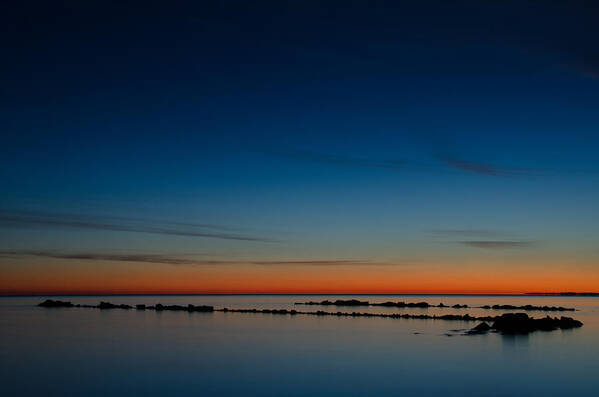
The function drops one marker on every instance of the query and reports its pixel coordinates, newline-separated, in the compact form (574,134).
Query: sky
(299,147)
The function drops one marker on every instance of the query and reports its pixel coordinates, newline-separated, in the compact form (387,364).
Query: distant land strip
(506,323)
(355,302)
(564,293)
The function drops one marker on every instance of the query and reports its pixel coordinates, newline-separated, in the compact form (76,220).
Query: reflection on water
(120,352)
(513,342)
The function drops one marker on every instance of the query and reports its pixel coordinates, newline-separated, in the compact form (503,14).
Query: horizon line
(562,293)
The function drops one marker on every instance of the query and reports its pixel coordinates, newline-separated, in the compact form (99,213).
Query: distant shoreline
(564,294)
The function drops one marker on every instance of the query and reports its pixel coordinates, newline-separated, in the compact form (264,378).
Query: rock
(350,302)
(53,303)
(108,305)
(203,308)
(481,328)
(521,323)
(569,322)
(140,307)
(531,307)
(403,304)
(514,323)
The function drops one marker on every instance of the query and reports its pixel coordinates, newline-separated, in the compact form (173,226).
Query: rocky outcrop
(338,302)
(521,323)
(188,308)
(529,308)
(55,303)
(403,304)
(424,305)
(108,305)
(506,323)
(479,329)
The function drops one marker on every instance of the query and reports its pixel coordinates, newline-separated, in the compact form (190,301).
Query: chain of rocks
(506,323)
(355,302)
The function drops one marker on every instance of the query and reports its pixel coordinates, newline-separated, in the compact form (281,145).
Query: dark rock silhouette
(403,304)
(188,308)
(108,305)
(479,329)
(355,302)
(529,307)
(202,308)
(338,302)
(513,323)
(53,303)
(506,323)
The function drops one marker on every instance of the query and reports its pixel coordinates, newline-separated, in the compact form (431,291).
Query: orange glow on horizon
(55,278)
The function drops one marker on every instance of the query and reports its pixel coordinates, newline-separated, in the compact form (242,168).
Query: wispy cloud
(90,256)
(178,260)
(124,224)
(447,164)
(491,244)
(325,262)
(467,233)
(484,168)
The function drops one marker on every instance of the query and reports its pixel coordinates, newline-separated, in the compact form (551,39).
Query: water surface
(81,351)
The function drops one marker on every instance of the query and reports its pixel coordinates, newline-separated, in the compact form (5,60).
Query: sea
(92,352)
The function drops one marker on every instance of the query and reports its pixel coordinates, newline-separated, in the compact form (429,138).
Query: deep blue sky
(380,131)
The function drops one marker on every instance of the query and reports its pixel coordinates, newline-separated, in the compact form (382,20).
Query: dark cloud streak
(484,168)
(175,260)
(122,225)
(467,233)
(448,163)
(489,244)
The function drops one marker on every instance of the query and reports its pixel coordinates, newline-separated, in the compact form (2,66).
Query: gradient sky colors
(302,147)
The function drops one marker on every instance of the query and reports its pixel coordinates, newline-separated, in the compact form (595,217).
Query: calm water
(91,352)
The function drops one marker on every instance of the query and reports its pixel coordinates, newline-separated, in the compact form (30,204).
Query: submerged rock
(55,303)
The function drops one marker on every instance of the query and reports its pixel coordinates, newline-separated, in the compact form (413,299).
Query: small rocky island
(521,323)
(506,323)
(107,305)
